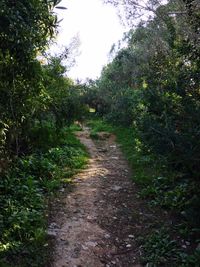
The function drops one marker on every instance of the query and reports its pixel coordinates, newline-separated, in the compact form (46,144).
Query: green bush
(160,249)
(22,221)
(24,190)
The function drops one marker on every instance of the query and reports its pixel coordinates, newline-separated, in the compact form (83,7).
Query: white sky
(97,26)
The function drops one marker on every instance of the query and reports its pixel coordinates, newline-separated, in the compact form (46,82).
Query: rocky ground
(97,223)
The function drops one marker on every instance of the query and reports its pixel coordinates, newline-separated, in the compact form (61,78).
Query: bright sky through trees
(97,27)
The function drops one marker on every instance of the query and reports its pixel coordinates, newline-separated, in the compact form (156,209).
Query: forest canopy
(150,90)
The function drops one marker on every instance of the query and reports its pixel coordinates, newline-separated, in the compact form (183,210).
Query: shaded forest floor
(99,222)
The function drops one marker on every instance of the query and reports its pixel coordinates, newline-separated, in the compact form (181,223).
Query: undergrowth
(98,126)
(24,191)
(179,244)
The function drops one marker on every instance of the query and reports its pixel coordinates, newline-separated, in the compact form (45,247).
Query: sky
(97,27)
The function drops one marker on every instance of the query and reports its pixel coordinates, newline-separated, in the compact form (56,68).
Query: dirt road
(95,224)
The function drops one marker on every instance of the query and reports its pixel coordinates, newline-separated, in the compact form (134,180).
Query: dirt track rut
(94,225)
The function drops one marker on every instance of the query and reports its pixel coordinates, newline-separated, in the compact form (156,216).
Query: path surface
(95,224)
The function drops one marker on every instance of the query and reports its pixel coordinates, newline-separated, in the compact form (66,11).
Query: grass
(98,126)
(75,127)
(142,163)
(24,189)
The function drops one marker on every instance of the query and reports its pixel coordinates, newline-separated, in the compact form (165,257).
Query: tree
(25,30)
(133,11)
(162,62)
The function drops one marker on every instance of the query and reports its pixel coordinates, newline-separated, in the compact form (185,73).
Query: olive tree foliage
(70,53)
(132,12)
(153,84)
(64,102)
(147,9)
(26,26)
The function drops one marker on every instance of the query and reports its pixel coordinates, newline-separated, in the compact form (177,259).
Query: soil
(99,221)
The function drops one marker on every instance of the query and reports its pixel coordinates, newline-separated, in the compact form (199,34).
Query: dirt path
(95,224)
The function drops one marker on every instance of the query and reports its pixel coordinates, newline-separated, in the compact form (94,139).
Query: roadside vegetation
(148,95)
(176,242)
(25,190)
(38,150)
(149,92)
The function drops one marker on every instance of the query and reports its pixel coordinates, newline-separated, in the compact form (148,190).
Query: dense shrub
(24,190)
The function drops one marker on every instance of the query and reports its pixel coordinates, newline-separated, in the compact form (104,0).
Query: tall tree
(25,30)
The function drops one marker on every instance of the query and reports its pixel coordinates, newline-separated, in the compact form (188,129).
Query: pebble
(53,225)
(91,244)
(131,236)
(103,150)
(107,236)
(51,234)
(84,247)
(128,246)
(74,218)
(62,190)
(116,188)
(89,218)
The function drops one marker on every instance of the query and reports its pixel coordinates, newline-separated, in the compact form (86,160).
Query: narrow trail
(95,224)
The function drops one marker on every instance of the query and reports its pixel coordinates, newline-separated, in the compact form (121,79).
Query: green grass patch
(24,190)
(160,249)
(75,127)
(97,125)
(141,163)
